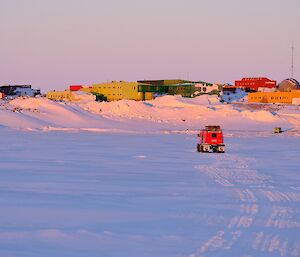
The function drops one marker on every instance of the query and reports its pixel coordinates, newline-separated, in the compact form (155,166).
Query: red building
(75,87)
(229,89)
(255,83)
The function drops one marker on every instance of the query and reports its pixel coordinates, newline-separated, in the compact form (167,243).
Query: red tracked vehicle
(211,140)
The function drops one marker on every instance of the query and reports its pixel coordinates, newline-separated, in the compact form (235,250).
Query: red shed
(255,83)
(229,89)
(75,87)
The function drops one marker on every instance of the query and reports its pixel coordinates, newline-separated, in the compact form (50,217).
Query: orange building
(274,97)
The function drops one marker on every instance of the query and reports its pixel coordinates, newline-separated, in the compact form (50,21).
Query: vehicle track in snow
(265,213)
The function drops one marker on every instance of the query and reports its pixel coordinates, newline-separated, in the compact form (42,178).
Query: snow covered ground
(129,195)
(123,179)
(163,113)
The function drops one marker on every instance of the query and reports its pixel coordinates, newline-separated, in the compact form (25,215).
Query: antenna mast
(292,67)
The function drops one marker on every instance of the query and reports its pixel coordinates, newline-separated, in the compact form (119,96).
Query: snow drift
(162,113)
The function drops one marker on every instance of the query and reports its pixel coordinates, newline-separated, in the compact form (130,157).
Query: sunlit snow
(127,181)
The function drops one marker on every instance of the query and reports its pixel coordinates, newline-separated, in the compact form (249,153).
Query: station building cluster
(139,91)
(259,90)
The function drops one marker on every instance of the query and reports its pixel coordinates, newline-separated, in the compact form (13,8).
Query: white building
(26,92)
(204,88)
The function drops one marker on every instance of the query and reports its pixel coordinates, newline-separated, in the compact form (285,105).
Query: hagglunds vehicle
(211,140)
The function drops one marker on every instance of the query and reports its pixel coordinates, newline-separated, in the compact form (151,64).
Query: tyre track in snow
(253,191)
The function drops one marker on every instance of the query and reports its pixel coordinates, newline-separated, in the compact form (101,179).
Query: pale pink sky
(51,44)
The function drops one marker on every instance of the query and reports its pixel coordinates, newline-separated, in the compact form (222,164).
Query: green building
(184,88)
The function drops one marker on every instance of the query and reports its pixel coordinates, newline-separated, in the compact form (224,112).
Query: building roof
(288,85)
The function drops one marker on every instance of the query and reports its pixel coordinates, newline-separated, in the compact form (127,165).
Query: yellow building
(119,90)
(273,97)
(60,95)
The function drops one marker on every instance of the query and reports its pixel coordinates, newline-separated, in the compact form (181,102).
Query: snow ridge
(162,113)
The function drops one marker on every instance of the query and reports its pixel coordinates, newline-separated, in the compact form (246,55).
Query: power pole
(292,66)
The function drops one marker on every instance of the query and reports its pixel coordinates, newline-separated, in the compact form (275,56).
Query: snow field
(122,194)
